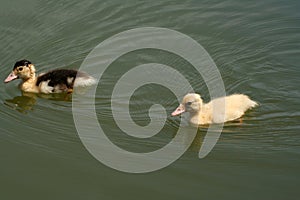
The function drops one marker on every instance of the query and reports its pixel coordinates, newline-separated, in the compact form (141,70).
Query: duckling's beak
(179,110)
(11,77)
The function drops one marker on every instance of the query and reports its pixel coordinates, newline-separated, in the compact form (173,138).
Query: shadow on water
(27,101)
(205,133)
(231,127)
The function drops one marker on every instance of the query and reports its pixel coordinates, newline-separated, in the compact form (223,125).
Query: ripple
(255,46)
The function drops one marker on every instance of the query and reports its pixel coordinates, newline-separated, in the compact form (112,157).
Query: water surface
(256,46)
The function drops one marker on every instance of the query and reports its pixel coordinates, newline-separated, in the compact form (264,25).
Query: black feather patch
(59,77)
(22,63)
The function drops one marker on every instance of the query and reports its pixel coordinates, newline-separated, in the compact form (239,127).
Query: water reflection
(21,103)
(229,127)
(27,101)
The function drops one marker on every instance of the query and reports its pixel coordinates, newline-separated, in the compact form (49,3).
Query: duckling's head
(23,69)
(191,103)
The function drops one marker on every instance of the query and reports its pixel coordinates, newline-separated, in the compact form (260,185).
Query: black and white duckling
(55,81)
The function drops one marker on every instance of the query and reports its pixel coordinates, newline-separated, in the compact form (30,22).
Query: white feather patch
(70,80)
(45,88)
(84,81)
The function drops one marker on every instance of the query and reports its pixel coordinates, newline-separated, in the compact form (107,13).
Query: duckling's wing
(56,81)
(63,80)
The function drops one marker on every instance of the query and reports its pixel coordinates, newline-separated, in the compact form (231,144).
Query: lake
(256,48)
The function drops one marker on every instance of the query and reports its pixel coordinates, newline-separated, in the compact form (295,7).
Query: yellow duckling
(202,113)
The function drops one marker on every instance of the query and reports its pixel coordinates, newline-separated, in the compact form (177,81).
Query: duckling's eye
(20,69)
(189,103)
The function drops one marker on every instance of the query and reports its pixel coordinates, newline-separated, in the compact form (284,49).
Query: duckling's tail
(253,104)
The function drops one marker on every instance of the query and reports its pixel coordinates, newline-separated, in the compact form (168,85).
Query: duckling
(202,113)
(55,81)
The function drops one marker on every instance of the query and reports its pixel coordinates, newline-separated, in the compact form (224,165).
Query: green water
(256,46)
